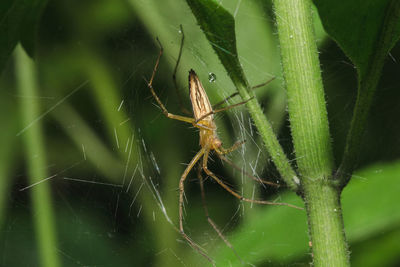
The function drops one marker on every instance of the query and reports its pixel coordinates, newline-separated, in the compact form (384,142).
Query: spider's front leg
(155,96)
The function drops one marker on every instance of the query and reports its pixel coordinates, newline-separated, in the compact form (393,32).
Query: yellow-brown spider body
(203,113)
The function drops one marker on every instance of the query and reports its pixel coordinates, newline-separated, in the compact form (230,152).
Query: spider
(209,141)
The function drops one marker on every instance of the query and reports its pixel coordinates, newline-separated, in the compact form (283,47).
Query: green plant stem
(325,224)
(310,131)
(306,104)
(36,161)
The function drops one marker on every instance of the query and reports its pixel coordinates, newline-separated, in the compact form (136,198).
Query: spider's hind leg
(193,244)
(237,195)
(210,221)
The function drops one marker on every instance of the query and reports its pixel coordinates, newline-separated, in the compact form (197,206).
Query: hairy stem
(310,131)
(306,104)
(325,223)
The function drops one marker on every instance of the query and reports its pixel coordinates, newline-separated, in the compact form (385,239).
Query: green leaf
(366,31)
(35,153)
(359,27)
(19,21)
(267,237)
(383,250)
(219,27)
(368,201)
(279,234)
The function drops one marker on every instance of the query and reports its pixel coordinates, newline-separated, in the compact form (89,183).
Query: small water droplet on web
(212,77)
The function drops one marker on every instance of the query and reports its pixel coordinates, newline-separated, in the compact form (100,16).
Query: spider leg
(237,93)
(184,110)
(262,84)
(163,108)
(226,99)
(238,196)
(223,109)
(259,180)
(181,193)
(181,184)
(210,221)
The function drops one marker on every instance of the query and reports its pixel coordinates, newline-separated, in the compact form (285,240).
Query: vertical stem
(306,103)
(325,223)
(310,131)
(36,160)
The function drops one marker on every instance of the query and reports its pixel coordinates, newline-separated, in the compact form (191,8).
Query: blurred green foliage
(111,46)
